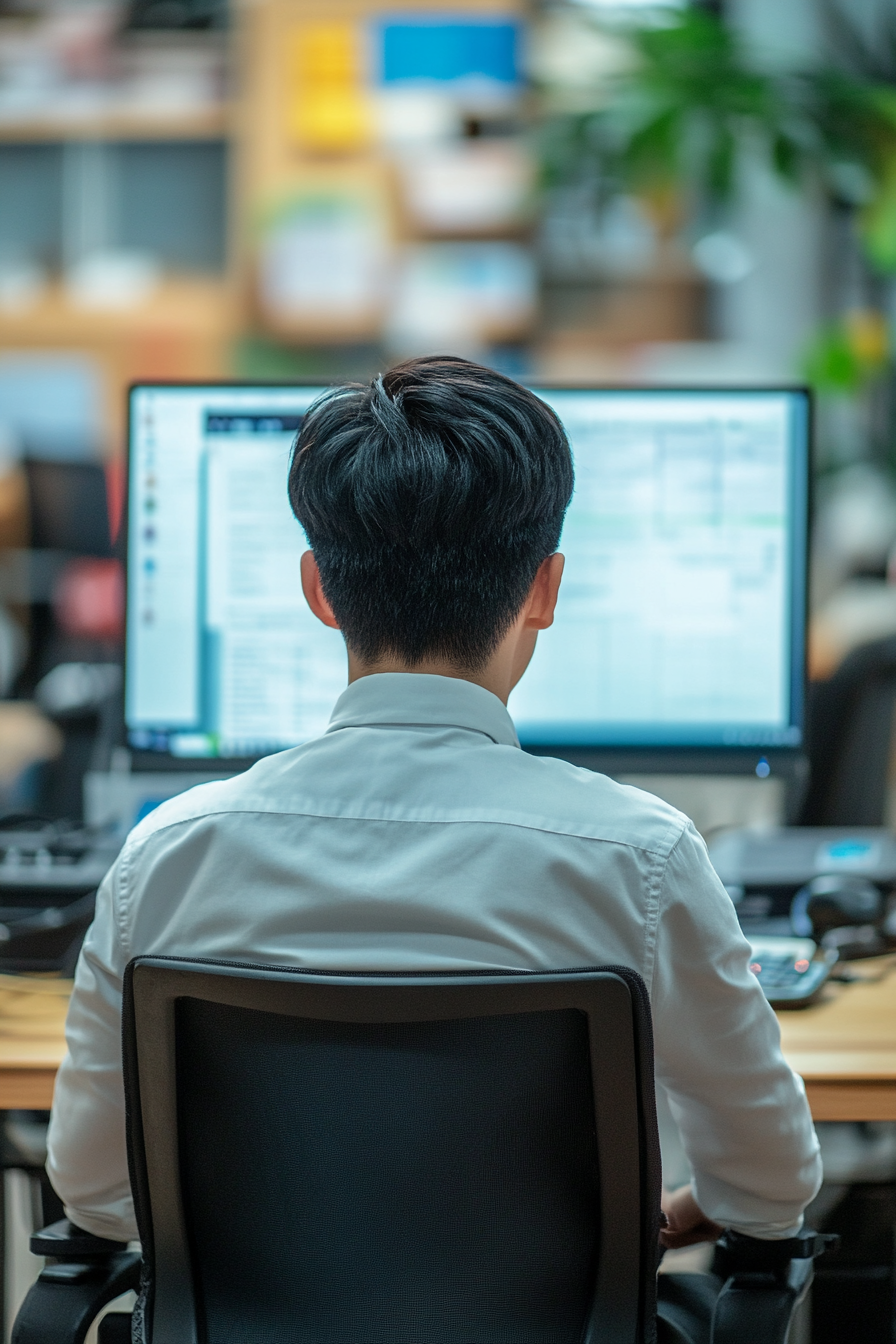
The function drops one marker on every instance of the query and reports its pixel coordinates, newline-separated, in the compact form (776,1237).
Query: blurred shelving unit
(183,329)
(599,329)
(117,125)
(324,175)
(385,192)
(114,208)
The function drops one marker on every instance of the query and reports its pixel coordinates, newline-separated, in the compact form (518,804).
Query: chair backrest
(849,739)
(323,1158)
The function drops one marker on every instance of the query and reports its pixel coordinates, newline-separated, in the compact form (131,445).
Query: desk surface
(844,1045)
(32,1040)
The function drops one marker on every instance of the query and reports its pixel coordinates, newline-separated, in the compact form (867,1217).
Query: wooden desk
(844,1046)
(32,1041)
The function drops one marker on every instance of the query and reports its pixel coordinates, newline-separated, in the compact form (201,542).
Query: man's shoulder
(570,800)
(496,785)
(269,786)
(216,798)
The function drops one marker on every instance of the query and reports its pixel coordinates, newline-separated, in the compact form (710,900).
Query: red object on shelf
(89,599)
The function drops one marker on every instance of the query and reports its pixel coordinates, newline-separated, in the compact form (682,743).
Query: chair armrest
(84,1273)
(64,1241)
(764,1283)
(736,1253)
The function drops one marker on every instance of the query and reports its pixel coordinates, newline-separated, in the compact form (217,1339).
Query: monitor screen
(681,620)
(681,615)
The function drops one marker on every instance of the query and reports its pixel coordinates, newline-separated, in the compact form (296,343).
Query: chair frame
(612,998)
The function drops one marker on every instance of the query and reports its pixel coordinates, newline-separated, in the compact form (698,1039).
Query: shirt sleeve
(87,1153)
(741,1110)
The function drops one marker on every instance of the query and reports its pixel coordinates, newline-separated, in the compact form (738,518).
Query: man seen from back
(415,835)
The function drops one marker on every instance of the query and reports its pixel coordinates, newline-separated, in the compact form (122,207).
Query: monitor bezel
(618,759)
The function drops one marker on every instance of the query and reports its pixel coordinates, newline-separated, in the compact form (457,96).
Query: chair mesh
(401,1183)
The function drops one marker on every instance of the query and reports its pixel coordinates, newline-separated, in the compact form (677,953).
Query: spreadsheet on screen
(681,614)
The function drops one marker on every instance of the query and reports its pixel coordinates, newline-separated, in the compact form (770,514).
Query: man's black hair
(429,499)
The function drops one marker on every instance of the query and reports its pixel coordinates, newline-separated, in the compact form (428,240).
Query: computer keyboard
(49,873)
(45,857)
(790,971)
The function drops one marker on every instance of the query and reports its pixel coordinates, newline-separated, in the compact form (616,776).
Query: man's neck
(494,676)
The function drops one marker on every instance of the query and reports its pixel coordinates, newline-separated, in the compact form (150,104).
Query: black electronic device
(49,873)
(832,884)
(790,971)
(844,912)
(68,507)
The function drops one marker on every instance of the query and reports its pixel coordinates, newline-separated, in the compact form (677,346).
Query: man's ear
(314,593)
(543,594)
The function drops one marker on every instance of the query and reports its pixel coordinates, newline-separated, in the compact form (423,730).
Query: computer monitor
(681,621)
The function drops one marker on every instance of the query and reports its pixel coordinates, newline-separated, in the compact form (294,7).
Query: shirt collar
(413,698)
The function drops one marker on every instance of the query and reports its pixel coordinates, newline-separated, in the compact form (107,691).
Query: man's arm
(742,1112)
(87,1154)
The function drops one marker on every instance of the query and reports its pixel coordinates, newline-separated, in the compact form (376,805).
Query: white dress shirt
(415,834)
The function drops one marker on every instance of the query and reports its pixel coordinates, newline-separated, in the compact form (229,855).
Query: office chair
(323,1158)
(849,734)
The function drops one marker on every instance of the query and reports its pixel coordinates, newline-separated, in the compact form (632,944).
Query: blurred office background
(571,190)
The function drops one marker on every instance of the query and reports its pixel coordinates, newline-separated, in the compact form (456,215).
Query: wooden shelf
(188,305)
(212,123)
(184,330)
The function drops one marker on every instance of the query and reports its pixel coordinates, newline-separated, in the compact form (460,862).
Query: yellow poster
(329,109)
